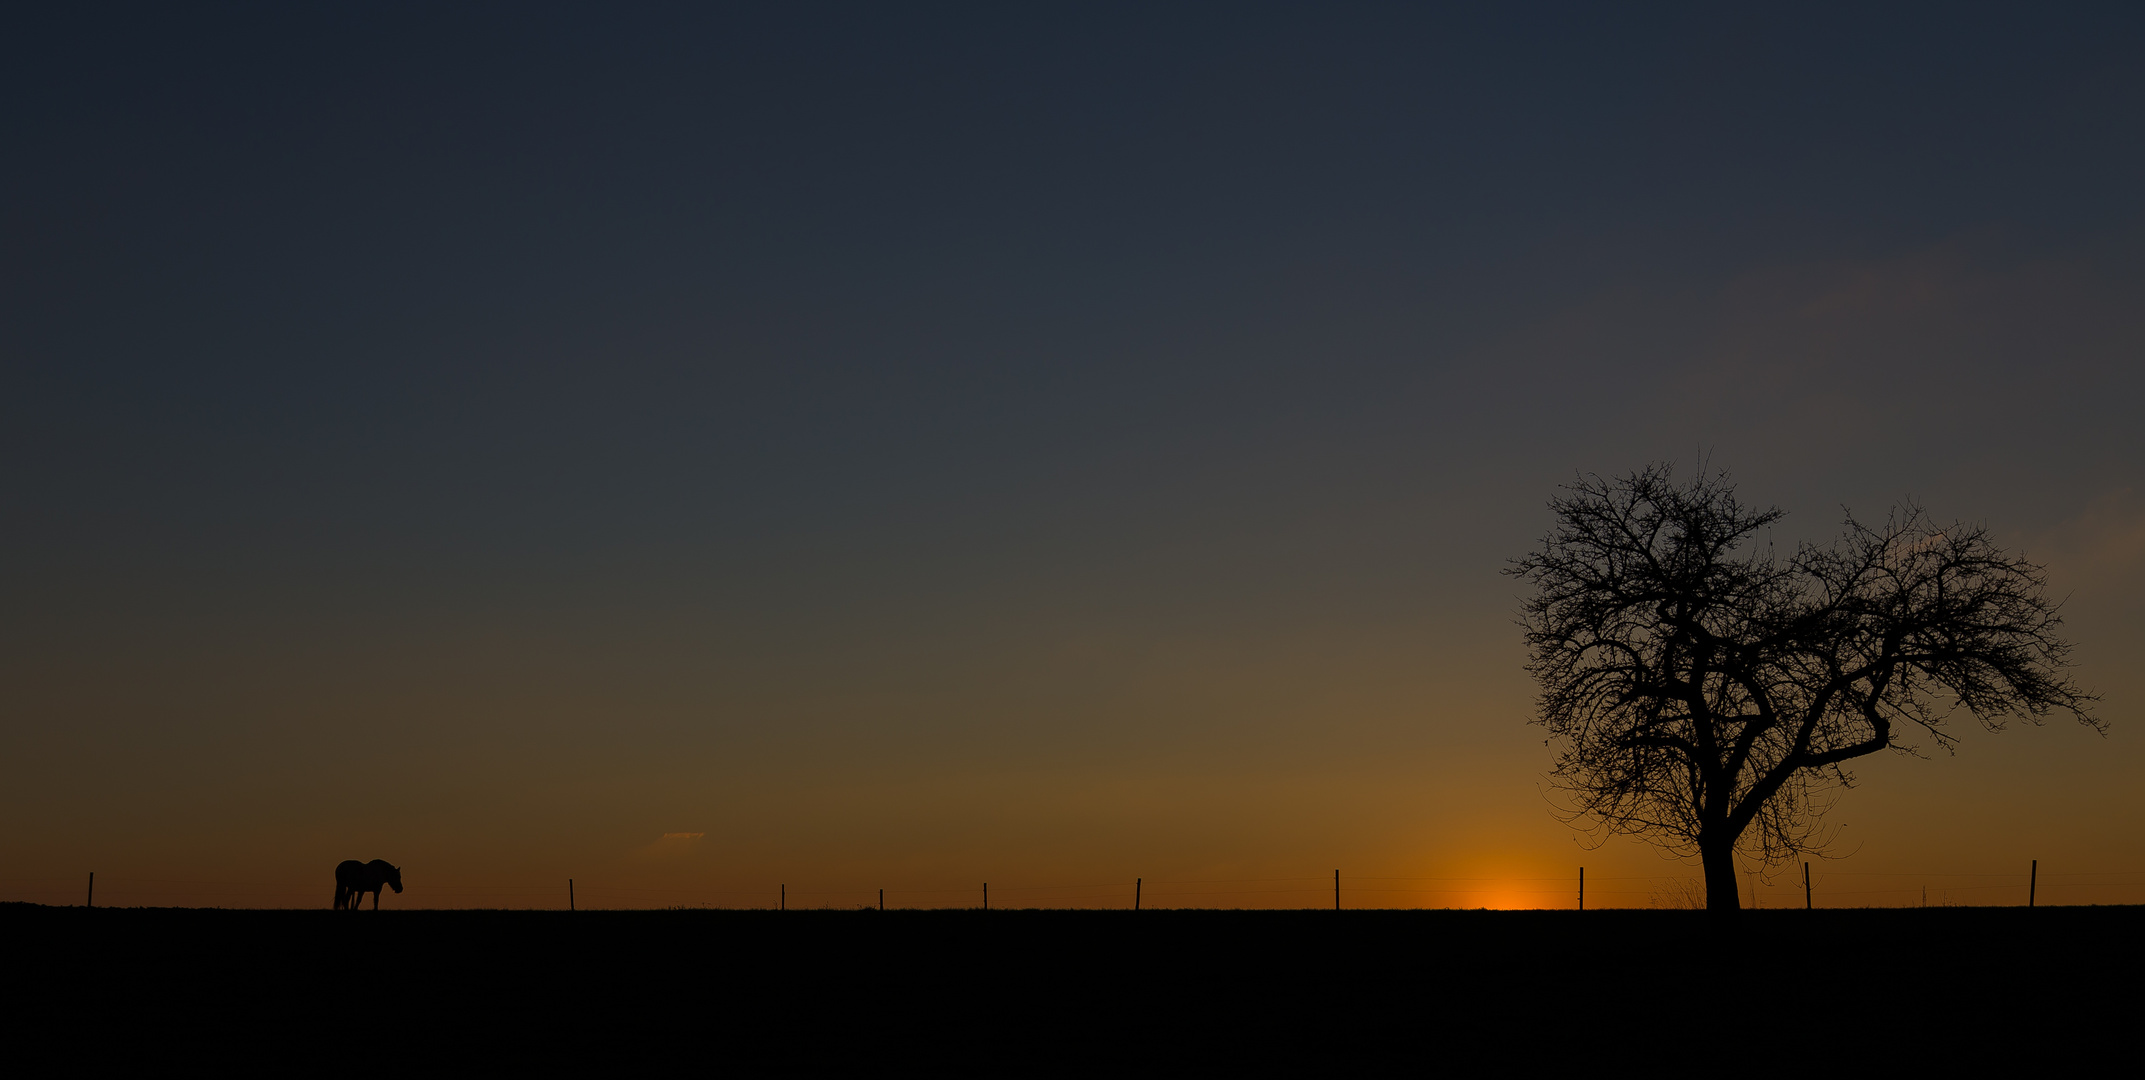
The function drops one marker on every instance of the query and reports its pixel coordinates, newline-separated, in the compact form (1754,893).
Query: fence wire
(1828,887)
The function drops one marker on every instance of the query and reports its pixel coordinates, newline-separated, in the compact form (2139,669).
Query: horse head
(394,878)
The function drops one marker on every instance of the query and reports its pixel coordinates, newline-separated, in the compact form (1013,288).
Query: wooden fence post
(1582,888)
(569,894)
(986,896)
(882,899)
(1336,890)
(2033,879)
(92,901)
(1806,905)
(1136,882)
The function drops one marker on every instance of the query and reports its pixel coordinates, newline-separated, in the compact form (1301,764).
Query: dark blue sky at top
(407,302)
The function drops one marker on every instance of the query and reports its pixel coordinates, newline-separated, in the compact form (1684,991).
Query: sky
(703,452)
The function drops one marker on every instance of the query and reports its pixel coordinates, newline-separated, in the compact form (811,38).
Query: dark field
(1022,992)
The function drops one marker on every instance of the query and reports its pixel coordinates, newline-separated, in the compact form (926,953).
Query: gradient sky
(901,446)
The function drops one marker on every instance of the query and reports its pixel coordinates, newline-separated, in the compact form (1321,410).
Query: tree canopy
(1706,692)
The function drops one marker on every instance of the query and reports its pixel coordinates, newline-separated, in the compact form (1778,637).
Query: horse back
(350,874)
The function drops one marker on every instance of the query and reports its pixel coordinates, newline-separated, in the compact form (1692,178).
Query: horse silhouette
(353,879)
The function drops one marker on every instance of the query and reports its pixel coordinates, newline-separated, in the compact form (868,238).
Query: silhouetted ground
(1024,992)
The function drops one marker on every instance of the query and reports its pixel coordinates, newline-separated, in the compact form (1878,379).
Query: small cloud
(671,845)
(2106,541)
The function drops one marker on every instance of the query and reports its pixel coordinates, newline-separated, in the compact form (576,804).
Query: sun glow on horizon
(1502,899)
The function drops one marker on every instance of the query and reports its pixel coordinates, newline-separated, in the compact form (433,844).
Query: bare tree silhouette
(1706,693)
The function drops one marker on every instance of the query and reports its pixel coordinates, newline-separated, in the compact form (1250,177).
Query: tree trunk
(1722,889)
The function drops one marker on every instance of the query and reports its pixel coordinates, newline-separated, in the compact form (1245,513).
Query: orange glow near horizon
(1499,900)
